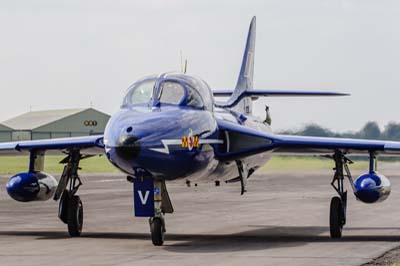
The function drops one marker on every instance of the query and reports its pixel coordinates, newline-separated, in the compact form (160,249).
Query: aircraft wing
(87,145)
(244,142)
(318,145)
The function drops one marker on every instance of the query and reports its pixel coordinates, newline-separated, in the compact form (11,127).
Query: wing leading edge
(253,142)
(87,145)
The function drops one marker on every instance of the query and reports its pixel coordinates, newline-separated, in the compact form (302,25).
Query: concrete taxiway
(282,220)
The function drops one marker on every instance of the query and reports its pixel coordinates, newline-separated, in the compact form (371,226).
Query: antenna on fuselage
(183,66)
(180,52)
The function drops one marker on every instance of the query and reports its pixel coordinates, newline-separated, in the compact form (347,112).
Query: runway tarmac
(282,220)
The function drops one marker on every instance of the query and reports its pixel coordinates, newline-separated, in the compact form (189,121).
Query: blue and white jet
(170,127)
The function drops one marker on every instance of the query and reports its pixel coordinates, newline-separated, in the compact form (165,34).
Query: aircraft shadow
(270,237)
(262,237)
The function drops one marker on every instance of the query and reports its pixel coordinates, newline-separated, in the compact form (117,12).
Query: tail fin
(241,98)
(245,79)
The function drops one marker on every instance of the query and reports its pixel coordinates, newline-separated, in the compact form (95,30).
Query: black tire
(75,216)
(157,231)
(63,207)
(336,218)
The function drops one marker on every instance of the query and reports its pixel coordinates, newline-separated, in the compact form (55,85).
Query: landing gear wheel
(336,218)
(63,207)
(75,216)
(157,231)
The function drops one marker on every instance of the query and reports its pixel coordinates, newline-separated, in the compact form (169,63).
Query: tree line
(370,130)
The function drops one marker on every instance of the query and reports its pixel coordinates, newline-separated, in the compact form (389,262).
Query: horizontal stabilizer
(255,94)
(278,93)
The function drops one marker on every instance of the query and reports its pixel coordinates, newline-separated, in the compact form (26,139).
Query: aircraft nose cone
(128,147)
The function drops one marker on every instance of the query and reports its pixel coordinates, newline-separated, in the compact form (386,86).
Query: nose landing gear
(157,223)
(151,200)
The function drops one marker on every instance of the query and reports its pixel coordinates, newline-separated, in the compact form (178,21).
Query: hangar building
(5,133)
(56,124)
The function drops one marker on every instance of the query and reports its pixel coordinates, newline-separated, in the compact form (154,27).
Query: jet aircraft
(170,127)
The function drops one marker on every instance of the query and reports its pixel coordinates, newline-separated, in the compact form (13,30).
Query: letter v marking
(145,198)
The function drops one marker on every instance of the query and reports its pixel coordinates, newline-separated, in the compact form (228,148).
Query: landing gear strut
(157,223)
(70,210)
(337,217)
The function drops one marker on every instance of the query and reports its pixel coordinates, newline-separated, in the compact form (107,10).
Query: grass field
(291,163)
(13,165)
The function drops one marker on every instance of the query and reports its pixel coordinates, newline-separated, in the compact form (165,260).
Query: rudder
(245,79)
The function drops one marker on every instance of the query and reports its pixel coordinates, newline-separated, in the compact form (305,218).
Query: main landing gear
(70,210)
(337,216)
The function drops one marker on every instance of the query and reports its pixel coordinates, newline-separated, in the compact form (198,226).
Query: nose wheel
(157,229)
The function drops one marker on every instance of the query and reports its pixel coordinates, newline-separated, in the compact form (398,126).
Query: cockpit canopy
(170,89)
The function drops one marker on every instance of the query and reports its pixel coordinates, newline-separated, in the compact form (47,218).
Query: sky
(77,53)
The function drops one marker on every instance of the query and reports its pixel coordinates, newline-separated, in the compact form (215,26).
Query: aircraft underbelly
(224,171)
